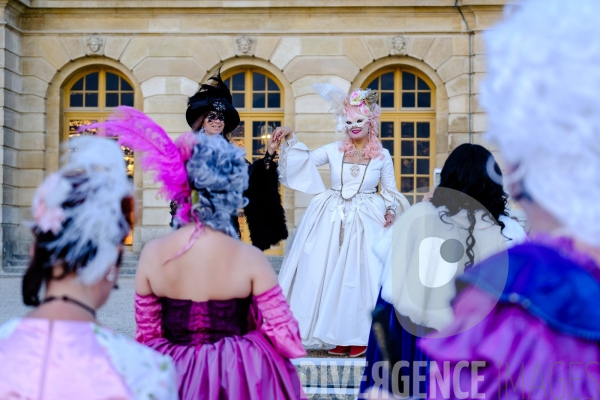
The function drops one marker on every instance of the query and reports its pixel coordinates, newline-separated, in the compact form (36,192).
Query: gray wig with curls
(217,170)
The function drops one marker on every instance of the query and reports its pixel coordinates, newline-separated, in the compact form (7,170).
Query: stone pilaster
(11,176)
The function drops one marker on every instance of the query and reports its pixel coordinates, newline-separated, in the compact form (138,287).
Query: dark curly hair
(467,172)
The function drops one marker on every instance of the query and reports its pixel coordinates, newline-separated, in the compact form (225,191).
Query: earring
(111,275)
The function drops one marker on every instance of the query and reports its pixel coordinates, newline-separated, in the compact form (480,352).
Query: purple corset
(186,322)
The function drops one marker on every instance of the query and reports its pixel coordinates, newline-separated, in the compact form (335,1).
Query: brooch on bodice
(354,170)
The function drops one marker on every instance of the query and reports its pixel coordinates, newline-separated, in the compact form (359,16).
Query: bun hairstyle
(467,172)
(218,175)
(81,213)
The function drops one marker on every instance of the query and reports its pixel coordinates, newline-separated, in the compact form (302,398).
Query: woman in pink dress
(59,352)
(204,298)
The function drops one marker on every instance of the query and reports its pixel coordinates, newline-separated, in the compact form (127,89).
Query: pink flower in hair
(364,109)
(357,97)
(47,203)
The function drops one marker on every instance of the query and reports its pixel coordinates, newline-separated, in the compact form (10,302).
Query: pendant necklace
(355,169)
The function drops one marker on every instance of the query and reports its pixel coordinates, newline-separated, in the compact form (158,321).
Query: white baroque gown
(330,274)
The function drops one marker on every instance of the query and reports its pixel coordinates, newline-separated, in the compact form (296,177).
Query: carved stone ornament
(245,45)
(94,44)
(399,45)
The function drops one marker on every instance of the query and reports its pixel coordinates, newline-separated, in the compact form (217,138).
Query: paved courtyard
(117,313)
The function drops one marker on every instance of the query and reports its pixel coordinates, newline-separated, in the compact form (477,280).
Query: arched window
(407,129)
(258,97)
(92,96)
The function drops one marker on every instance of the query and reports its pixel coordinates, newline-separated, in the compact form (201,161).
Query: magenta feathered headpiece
(161,155)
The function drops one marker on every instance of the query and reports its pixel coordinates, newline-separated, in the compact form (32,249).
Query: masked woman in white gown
(330,274)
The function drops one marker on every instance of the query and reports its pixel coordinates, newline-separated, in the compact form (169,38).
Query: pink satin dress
(73,360)
(231,349)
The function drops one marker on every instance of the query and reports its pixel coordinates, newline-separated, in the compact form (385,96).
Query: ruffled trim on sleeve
(283,155)
(148,318)
(278,323)
(524,357)
(297,170)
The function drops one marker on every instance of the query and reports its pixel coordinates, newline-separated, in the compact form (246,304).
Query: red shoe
(357,351)
(340,351)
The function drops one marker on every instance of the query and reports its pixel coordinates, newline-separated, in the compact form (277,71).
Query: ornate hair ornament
(213,96)
(206,157)
(81,207)
(339,101)
(365,100)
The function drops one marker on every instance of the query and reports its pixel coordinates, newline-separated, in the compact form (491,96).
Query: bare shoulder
(262,273)
(152,252)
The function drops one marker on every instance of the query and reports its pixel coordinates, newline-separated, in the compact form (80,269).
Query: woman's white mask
(358,123)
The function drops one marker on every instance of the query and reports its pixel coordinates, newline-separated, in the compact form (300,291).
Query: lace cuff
(148,318)
(285,149)
(278,323)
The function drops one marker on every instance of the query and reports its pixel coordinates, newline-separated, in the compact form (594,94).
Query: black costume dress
(264,213)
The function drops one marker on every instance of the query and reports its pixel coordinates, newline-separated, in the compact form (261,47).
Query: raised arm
(298,165)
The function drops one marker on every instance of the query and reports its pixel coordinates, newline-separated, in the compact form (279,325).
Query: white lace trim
(148,374)
(283,153)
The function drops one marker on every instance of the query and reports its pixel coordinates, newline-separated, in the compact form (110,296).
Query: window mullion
(101,90)
(398,89)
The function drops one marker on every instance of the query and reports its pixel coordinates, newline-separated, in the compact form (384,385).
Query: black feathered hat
(213,97)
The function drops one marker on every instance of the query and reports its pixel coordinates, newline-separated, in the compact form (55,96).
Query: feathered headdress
(81,206)
(161,156)
(214,96)
(339,101)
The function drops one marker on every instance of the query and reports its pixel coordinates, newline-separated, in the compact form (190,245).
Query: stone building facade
(65,62)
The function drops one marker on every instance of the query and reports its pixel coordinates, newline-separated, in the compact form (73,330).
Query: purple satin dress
(541,339)
(231,349)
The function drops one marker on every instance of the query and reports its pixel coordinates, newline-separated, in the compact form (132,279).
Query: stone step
(330,394)
(330,372)
(330,378)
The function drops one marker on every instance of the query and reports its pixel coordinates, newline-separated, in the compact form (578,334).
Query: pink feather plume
(161,156)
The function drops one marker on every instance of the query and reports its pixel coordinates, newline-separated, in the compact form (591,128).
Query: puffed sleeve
(298,166)
(393,199)
(276,322)
(148,318)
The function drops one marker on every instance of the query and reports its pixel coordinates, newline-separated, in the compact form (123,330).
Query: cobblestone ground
(116,314)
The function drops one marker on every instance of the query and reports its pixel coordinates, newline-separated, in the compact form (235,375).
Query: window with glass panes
(91,97)
(407,128)
(258,97)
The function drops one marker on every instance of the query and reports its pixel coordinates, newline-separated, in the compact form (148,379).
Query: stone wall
(166,48)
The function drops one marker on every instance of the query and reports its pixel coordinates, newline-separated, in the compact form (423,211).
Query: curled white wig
(543,104)
(78,210)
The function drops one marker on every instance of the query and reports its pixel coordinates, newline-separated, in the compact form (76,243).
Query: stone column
(10,135)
